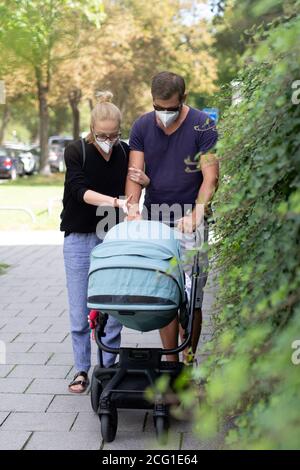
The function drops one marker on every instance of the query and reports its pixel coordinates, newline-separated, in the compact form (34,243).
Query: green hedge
(249,373)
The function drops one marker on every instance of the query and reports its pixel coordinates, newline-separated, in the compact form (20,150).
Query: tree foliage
(249,373)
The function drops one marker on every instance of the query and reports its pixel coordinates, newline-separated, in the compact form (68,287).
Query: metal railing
(16,208)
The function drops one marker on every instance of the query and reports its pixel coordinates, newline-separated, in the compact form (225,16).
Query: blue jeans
(77,248)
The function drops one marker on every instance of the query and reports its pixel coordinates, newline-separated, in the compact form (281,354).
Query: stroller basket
(135,275)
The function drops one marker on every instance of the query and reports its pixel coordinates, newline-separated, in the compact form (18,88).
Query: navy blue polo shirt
(172,161)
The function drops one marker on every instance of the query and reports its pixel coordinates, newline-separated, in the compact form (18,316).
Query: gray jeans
(77,248)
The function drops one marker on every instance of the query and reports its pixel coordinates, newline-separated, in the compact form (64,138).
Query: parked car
(11,166)
(57,145)
(26,154)
(36,151)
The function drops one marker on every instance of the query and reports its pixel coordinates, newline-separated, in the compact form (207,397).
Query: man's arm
(210,170)
(136,160)
(209,165)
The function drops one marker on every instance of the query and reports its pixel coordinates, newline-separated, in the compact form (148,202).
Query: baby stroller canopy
(136,276)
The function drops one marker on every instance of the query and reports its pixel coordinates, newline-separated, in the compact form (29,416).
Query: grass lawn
(31,192)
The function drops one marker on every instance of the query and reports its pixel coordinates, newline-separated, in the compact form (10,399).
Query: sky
(200,11)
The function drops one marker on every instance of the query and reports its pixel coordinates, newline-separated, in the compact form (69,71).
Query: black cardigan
(97,174)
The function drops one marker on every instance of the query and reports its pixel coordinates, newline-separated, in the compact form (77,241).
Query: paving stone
(11,313)
(32,307)
(18,347)
(24,421)
(3,416)
(27,358)
(176,426)
(53,387)
(19,297)
(141,441)
(58,326)
(64,359)
(37,371)
(58,304)
(8,337)
(40,337)
(20,325)
(5,369)
(70,403)
(41,306)
(23,402)
(131,420)
(71,373)
(64,441)
(51,347)
(191,442)
(13,385)
(13,441)
(49,313)
(87,422)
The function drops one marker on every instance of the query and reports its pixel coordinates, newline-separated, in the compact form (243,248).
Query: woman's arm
(98,199)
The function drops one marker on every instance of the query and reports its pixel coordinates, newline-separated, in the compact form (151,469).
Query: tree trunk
(5,120)
(74,100)
(91,105)
(44,127)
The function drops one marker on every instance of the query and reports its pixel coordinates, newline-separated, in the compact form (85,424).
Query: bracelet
(115,202)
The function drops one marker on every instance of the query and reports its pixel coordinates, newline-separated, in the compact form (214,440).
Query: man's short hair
(167,84)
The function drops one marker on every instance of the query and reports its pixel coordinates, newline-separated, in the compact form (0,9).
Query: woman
(96,180)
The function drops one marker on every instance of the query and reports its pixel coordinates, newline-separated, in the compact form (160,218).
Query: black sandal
(84,383)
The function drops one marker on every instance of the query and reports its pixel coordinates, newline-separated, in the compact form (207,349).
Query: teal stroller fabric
(136,275)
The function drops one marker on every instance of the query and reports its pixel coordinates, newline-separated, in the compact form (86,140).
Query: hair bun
(104,96)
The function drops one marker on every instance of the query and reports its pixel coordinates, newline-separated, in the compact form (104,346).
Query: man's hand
(190,222)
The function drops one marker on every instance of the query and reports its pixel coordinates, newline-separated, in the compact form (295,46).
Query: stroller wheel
(96,390)
(161,424)
(109,425)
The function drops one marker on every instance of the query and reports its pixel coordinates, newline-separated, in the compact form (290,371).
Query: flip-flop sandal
(84,383)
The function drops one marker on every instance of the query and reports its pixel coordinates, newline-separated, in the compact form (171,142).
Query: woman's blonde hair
(104,110)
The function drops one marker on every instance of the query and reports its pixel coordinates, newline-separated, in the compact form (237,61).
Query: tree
(18,90)
(135,41)
(236,25)
(251,374)
(31,30)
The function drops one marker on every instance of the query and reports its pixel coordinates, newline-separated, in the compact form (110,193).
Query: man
(167,142)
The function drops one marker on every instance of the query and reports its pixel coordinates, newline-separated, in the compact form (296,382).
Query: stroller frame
(110,387)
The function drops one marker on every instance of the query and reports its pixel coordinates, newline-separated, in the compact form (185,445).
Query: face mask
(167,117)
(106,146)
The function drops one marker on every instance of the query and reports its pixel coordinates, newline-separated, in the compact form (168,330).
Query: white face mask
(105,145)
(167,117)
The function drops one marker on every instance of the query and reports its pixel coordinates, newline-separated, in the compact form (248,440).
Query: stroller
(135,276)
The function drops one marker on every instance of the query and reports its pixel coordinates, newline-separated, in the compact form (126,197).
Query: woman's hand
(138,176)
(124,204)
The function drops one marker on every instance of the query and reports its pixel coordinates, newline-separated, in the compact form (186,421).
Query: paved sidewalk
(36,410)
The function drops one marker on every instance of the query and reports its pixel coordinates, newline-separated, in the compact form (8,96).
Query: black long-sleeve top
(97,174)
